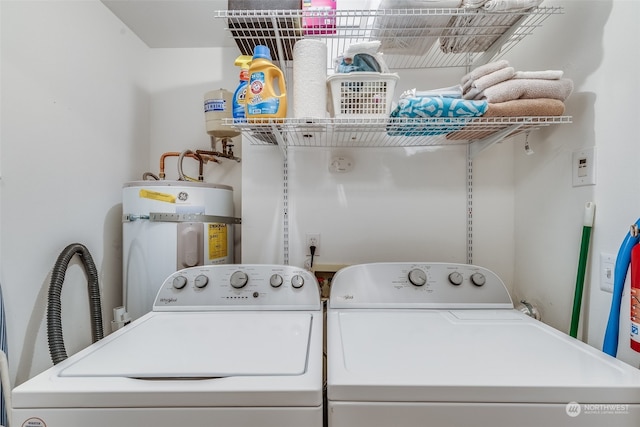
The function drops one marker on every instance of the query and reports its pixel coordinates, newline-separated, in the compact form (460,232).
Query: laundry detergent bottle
(239,108)
(267,93)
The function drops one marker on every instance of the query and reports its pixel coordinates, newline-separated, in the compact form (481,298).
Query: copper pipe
(182,175)
(227,151)
(176,154)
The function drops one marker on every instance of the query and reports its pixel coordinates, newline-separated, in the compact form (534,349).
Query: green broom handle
(582,265)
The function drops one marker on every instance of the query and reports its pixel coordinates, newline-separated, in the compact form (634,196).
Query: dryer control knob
(239,279)
(455,278)
(276,281)
(417,277)
(201,281)
(297,281)
(478,279)
(179,282)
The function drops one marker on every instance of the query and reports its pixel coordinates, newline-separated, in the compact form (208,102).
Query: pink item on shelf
(319,17)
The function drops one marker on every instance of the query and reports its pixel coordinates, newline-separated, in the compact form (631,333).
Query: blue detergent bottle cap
(261,51)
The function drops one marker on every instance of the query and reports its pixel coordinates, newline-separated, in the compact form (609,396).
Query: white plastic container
(167,226)
(361,94)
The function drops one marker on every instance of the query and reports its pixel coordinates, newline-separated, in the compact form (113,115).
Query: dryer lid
(202,345)
(467,356)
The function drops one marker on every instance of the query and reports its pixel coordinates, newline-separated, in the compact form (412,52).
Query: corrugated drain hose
(54,306)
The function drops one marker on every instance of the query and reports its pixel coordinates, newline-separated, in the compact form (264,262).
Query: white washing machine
(225,345)
(437,344)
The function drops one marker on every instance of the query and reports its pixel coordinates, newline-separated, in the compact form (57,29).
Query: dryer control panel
(239,287)
(418,285)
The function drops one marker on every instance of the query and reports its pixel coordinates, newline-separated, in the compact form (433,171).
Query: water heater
(170,225)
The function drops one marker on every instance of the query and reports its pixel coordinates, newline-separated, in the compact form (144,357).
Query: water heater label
(215,105)
(155,195)
(217,236)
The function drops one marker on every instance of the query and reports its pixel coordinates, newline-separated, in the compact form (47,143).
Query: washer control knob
(201,281)
(478,279)
(276,281)
(179,282)
(239,279)
(455,278)
(417,277)
(297,281)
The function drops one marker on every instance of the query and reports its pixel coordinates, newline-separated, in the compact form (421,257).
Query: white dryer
(225,345)
(438,344)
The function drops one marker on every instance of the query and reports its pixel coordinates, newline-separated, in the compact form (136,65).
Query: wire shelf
(397,132)
(410,38)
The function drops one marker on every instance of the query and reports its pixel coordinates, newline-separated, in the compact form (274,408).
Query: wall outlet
(341,164)
(312,239)
(583,167)
(607,267)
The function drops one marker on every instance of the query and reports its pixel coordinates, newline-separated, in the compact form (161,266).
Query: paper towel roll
(310,79)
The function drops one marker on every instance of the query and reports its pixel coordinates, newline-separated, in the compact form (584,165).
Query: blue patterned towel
(432,107)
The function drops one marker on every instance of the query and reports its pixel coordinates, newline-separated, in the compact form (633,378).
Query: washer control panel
(238,287)
(418,285)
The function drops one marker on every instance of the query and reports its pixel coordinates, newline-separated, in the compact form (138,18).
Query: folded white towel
(491,79)
(528,89)
(483,70)
(546,74)
(473,93)
(509,5)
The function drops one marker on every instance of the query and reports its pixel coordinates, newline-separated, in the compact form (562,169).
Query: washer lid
(202,345)
(467,356)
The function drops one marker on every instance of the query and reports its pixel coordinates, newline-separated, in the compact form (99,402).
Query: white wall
(619,176)
(75,126)
(549,211)
(547,206)
(178,80)
(398,204)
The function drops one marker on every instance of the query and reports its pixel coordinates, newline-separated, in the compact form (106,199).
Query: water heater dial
(478,279)
(239,279)
(297,281)
(179,282)
(417,277)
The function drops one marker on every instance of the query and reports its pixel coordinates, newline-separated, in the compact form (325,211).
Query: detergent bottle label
(239,101)
(270,106)
(259,101)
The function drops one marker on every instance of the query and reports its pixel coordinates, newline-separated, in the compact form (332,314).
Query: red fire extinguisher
(635,298)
